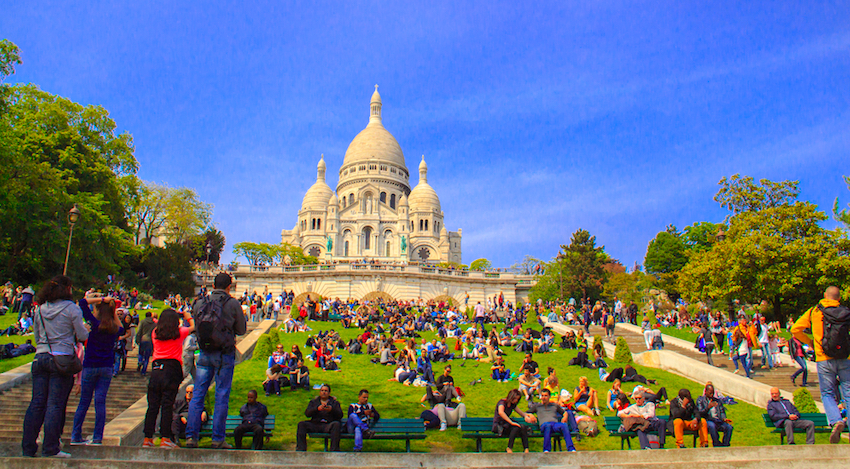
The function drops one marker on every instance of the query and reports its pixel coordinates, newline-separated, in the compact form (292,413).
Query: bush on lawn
(622,354)
(264,347)
(804,402)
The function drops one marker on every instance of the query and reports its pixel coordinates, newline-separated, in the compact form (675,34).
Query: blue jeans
(357,426)
(94,381)
(830,373)
(50,391)
(716,427)
(766,357)
(547,429)
(145,352)
(745,363)
(803,369)
(118,361)
(217,366)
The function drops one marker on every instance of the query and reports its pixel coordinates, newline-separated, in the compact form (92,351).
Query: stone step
(802,456)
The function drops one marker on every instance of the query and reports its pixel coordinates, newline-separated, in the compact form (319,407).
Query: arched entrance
(302,297)
(445,299)
(377,295)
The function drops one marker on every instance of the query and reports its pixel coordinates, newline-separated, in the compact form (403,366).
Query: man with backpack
(218,320)
(830,325)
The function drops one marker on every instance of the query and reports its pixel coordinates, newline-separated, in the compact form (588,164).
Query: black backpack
(212,331)
(836,331)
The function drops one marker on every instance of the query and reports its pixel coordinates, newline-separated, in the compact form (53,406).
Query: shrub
(274,336)
(144,298)
(264,347)
(804,402)
(597,339)
(622,354)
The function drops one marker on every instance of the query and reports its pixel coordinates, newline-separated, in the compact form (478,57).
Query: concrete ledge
(739,387)
(245,347)
(15,376)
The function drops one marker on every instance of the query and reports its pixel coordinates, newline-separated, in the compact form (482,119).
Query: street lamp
(560,257)
(73,216)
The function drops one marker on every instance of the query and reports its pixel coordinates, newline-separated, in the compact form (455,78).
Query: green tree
(257,252)
(10,56)
(57,153)
(771,252)
(583,260)
(211,239)
(666,253)
(168,270)
(525,266)
(700,236)
(480,265)
(185,214)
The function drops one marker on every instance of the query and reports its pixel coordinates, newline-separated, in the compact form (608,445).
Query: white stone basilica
(374,214)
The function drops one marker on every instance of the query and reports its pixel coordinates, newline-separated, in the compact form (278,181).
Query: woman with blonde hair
(585,397)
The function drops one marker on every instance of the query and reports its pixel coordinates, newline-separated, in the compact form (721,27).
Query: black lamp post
(560,257)
(73,216)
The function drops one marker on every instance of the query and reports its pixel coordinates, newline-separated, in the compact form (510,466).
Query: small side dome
(320,193)
(423,198)
(403,201)
(334,200)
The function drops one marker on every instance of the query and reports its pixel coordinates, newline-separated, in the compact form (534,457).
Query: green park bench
(820,421)
(612,425)
(232,422)
(481,428)
(385,429)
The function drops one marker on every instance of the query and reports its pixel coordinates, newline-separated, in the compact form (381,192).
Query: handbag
(67,365)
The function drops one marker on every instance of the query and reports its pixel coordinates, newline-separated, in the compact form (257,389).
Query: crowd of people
(197,338)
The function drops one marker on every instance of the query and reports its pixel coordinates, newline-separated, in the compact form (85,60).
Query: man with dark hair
(784,415)
(145,341)
(325,414)
(361,415)
(712,410)
(833,372)
(253,416)
(683,414)
(553,418)
(215,363)
(181,414)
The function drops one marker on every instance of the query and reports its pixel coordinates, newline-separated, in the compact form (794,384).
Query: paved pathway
(779,377)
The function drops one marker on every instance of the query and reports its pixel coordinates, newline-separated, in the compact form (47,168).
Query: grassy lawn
(396,401)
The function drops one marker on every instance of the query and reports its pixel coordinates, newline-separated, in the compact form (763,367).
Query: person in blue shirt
(361,416)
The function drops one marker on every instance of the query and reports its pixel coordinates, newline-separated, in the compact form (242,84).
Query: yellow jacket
(813,318)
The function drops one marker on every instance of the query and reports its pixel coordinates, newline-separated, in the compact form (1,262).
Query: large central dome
(374,143)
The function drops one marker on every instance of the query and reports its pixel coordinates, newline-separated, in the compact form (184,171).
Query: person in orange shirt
(832,372)
(748,330)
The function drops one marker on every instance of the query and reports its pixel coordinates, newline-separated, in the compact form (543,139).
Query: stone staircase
(787,457)
(779,376)
(125,389)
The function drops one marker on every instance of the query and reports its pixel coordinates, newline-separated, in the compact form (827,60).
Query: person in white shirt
(645,410)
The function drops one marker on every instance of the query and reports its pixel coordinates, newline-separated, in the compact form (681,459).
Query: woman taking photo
(57,325)
(502,423)
(166,375)
(97,366)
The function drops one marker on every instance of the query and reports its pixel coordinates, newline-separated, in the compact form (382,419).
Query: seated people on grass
(553,418)
(423,368)
(253,415)
(528,361)
(181,413)
(500,373)
(325,414)
(299,376)
(784,415)
(528,384)
(403,374)
(658,398)
(640,418)
(585,398)
(276,377)
(683,414)
(711,408)
(446,383)
(361,416)
(551,382)
(613,395)
(279,357)
(504,426)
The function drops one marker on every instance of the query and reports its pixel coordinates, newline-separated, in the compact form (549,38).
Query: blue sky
(536,119)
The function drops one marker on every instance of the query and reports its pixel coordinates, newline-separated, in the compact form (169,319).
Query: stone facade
(374,214)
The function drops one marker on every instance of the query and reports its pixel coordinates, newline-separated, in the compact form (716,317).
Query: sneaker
(191,443)
(736,371)
(368,434)
(837,428)
(94,443)
(62,455)
(79,443)
(221,445)
(443,426)
(167,444)
(148,443)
